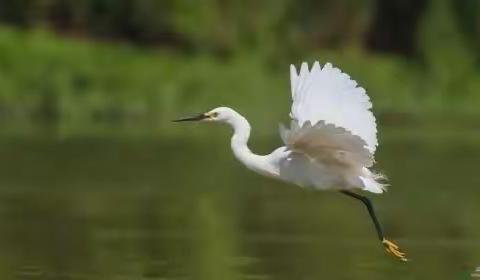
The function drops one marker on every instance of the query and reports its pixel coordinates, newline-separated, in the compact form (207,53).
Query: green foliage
(451,77)
(77,86)
(221,26)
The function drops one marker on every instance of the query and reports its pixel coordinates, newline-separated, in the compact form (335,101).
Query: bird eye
(214,114)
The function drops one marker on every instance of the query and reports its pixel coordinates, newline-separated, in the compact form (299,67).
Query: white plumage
(332,134)
(328,94)
(331,139)
(330,143)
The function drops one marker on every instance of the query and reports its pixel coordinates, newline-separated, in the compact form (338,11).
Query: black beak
(191,119)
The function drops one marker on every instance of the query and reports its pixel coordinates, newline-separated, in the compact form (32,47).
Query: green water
(185,209)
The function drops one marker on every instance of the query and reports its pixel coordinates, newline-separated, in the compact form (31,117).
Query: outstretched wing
(332,137)
(326,94)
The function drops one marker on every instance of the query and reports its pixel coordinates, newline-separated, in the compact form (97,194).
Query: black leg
(370,209)
(390,247)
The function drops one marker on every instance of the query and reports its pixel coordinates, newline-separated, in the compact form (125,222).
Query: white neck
(241,134)
(239,144)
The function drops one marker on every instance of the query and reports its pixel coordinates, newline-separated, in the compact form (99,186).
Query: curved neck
(239,144)
(241,134)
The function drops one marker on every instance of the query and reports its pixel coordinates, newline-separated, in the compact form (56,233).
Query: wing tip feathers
(293,69)
(305,66)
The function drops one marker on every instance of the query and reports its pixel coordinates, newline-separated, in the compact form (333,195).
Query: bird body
(330,143)
(331,139)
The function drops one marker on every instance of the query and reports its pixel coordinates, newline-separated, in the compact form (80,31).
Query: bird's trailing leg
(389,246)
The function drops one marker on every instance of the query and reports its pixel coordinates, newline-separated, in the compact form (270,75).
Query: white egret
(330,144)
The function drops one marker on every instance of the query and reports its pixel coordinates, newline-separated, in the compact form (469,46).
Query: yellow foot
(393,250)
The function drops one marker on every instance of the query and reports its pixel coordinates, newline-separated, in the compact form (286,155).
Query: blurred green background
(97,183)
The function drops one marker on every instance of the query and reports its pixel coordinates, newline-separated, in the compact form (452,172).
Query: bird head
(220,114)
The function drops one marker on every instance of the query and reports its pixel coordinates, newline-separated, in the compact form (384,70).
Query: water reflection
(121,210)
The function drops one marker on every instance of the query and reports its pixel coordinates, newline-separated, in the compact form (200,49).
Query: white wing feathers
(327,143)
(332,137)
(328,94)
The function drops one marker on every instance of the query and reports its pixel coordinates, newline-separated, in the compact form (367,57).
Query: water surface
(185,209)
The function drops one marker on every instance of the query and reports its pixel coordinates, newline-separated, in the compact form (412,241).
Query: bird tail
(373,182)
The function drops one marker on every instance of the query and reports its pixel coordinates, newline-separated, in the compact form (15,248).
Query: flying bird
(329,145)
